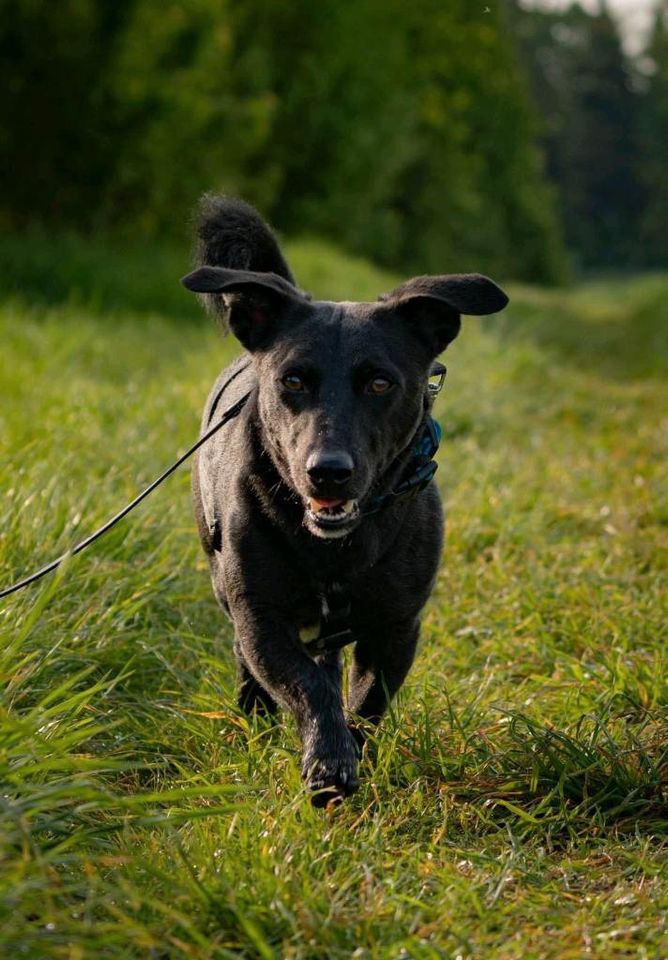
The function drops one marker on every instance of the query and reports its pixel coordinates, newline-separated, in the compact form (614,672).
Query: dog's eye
(379,385)
(293,382)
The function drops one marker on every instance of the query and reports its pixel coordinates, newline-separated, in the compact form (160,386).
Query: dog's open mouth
(331,514)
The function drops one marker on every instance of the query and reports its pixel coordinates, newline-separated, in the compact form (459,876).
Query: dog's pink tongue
(322,504)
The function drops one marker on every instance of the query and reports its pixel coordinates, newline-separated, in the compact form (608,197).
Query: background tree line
(425,135)
(604,130)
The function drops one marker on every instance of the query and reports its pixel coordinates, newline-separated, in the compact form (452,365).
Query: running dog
(314,505)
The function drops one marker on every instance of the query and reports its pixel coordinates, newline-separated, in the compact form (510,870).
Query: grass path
(514,804)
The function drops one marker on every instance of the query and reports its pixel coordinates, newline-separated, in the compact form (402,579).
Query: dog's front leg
(381,663)
(251,695)
(310,691)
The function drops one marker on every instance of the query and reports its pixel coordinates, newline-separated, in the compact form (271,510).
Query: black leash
(233,411)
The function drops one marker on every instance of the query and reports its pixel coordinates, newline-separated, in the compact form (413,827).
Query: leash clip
(436,379)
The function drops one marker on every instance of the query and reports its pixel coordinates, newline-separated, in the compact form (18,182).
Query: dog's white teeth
(331,515)
(335,510)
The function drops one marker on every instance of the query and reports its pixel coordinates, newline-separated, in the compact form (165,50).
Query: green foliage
(344,124)
(401,132)
(60,132)
(590,102)
(185,123)
(474,190)
(654,225)
(44,267)
(406,133)
(513,804)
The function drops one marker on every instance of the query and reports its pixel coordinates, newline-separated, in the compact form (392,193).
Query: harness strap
(335,632)
(216,400)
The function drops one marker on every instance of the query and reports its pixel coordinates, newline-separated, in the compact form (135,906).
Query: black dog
(302,501)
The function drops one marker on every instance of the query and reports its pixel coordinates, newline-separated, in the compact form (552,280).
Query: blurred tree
(58,141)
(186,126)
(585,92)
(654,225)
(475,190)
(119,114)
(342,129)
(402,132)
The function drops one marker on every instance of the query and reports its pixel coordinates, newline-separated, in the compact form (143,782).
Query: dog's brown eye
(379,385)
(293,382)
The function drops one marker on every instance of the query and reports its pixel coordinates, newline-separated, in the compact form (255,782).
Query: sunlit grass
(515,802)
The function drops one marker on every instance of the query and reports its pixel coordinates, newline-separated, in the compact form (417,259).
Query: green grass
(515,802)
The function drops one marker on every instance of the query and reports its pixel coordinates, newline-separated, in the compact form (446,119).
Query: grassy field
(515,802)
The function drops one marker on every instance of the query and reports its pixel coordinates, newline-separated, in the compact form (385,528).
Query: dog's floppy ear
(433,304)
(254,302)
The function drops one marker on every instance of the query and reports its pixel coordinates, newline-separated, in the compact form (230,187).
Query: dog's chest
(307,615)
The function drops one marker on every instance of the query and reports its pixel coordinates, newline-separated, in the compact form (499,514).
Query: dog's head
(342,387)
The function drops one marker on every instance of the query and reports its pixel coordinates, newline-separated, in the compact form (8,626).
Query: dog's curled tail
(232,234)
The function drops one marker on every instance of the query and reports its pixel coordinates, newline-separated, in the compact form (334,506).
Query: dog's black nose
(330,467)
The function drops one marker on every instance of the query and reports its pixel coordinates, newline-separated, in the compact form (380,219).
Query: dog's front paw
(331,776)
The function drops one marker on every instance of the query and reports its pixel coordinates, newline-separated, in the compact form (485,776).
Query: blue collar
(419,470)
